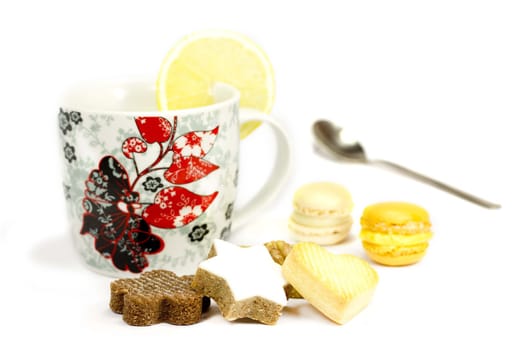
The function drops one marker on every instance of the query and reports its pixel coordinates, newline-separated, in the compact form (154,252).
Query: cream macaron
(322,213)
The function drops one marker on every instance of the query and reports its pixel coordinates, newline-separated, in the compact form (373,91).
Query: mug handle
(279,174)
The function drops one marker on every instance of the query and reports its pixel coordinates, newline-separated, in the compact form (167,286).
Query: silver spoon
(329,140)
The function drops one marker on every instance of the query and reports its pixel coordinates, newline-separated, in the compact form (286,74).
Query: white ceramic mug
(149,189)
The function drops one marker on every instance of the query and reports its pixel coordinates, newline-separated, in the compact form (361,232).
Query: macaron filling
(380,238)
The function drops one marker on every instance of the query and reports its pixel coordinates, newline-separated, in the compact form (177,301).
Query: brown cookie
(157,296)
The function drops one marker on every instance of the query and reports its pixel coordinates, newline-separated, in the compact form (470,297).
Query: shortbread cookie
(339,286)
(279,250)
(157,296)
(244,282)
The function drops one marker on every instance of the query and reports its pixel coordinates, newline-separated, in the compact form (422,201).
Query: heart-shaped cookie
(339,286)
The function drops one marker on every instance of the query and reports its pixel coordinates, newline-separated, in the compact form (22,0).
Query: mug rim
(217,88)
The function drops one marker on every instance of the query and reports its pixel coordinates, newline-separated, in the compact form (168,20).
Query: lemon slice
(201,59)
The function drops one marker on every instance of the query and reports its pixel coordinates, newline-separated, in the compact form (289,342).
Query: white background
(434,85)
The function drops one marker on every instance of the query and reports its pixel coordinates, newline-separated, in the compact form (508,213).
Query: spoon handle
(436,183)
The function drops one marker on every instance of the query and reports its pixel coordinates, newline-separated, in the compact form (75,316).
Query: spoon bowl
(328,139)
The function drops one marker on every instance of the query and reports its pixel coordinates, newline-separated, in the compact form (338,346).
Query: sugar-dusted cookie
(157,296)
(244,282)
(339,286)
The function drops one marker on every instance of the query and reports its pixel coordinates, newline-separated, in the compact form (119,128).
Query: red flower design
(154,129)
(195,143)
(176,206)
(133,145)
(184,170)
(112,208)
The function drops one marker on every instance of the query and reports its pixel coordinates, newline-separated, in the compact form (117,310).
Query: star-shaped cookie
(244,282)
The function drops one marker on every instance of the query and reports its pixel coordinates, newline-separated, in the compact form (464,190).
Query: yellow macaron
(395,233)
(322,213)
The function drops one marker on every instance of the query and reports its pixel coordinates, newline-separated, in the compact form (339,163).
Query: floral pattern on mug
(229,211)
(69,153)
(113,212)
(198,232)
(225,233)
(152,184)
